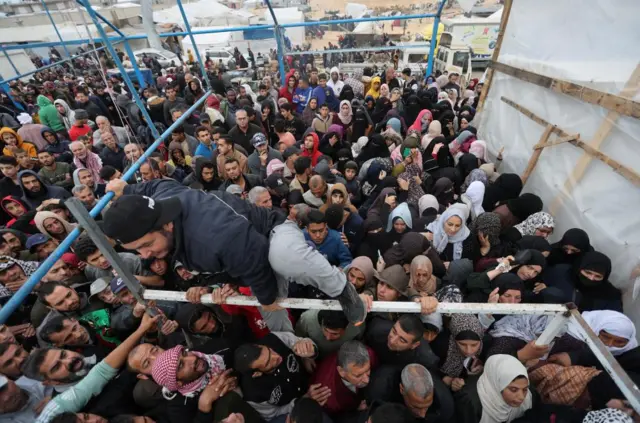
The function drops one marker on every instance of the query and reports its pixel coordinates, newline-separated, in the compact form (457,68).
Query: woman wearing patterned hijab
(465,345)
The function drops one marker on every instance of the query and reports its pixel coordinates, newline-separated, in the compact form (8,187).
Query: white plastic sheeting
(203,13)
(593,43)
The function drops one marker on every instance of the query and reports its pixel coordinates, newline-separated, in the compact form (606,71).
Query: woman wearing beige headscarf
(435,130)
(421,280)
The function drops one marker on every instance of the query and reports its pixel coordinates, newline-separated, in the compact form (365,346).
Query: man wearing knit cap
(261,156)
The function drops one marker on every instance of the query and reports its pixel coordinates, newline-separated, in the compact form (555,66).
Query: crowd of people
(359,188)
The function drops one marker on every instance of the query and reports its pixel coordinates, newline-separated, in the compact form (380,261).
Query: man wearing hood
(130,110)
(66,114)
(17,242)
(35,191)
(207,322)
(56,147)
(346,221)
(204,176)
(261,156)
(49,115)
(335,83)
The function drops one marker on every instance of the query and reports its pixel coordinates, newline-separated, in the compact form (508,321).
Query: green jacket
(49,115)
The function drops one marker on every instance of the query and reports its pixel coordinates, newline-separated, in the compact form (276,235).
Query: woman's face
(14,209)
(468,347)
(544,232)
(422,276)
(313,103)
(193,85)
(570,249)
(308,143)
(592,275)
(292,82)
(296,74)
(399,226)
(452,225)
(425,118)
(337,198)
(510,296)
(516,392)
(376,85)
(344,108)
(9,138)
(464,124)
(452,95)
(356,278)
(529,271)
(612,341)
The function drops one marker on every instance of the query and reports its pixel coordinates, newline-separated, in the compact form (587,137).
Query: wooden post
(613,102)
(506,12)
(533,161)
(558,141)
(629,174)
(629,91)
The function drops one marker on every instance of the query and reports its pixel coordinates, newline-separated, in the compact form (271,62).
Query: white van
(453,57)
(164,57)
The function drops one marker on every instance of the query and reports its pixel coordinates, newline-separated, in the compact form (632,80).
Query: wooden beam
(624,171)
(506,12)
(559,141)
(631,88)
(613,102)
(533,161)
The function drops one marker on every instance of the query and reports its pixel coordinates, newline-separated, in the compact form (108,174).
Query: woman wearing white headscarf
(448,233)
(473,198)
(503,390)
(613,328)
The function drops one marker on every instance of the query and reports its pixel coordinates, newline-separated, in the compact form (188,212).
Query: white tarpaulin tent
(203,13)
(286,15)
(593,43)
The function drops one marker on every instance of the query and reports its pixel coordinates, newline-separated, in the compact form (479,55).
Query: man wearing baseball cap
(261,156)
(217,232)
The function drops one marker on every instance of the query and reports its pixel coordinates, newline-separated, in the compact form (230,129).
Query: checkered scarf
(28,267)
(165,368)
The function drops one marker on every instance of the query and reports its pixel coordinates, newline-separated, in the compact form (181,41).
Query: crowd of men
(357,188)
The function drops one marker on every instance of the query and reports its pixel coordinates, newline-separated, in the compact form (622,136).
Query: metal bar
(79,211)
(15,69)
(354,50)
(280,48)
(434,36)
(353,20)
(68,59)
(553,329)
(620,377)
(79,41)
(123,71)
(64,45)
(203,70)
(19,297)
(387,306)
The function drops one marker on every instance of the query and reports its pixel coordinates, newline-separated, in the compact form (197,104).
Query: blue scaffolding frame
(620,377)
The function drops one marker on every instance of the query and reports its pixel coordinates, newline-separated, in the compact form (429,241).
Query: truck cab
(453,57)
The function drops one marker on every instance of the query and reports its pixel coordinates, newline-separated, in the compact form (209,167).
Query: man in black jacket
(244,130)
(112,154)
(246,181)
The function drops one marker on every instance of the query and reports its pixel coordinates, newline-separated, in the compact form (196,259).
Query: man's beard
(87,365)
(236,179)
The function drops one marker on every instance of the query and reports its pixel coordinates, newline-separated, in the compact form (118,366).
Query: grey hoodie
(256,168)
(131,110)
(47,192)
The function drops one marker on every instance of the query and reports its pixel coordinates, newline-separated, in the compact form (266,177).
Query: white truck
(480,34)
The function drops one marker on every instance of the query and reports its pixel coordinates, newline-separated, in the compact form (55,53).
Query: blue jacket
(333,249)
(326,95)
(204,151)
(301,98)
(218,232)
(353,230)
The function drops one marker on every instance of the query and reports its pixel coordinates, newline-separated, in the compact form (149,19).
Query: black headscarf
(596,262)
(466,164)
(506,187)
(575,237)
(383,105)
(525,205)
(376,147)
(443,191)
(412,109)
(532,242)
(507,281)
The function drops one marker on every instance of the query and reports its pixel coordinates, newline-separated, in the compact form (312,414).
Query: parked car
(164,57)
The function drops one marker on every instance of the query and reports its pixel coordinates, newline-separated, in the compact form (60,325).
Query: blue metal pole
(5,87)
(15,69)
(277,31)
(354,20)
(353,50)
(123,71)
(53,64)
(134,63)
(64,46)
(203,70)
(434,36)
(19,297)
